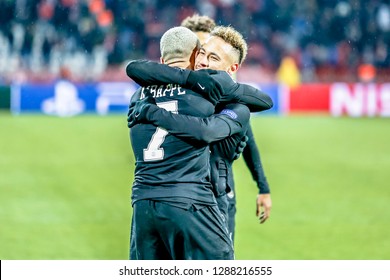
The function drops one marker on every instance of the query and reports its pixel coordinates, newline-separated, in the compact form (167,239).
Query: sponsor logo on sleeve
(230,113)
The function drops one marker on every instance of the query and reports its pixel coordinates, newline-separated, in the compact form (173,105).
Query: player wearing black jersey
(174,211)
(145,73)
(213,55)
(202,26)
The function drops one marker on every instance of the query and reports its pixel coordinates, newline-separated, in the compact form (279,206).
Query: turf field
(65,188)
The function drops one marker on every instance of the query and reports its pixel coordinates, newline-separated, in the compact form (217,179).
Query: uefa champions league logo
(65,102)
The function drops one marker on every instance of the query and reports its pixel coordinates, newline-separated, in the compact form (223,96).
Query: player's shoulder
(223,77)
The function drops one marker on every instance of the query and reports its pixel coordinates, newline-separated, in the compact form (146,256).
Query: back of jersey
(166,166)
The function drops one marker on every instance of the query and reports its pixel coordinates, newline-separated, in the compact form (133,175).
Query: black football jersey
(167,166)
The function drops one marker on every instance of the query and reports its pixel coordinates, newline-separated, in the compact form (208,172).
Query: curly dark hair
(234,38)
(197,23)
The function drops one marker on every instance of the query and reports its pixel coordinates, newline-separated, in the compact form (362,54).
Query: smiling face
(217,54)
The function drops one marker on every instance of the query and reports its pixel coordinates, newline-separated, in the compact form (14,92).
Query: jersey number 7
(154,151)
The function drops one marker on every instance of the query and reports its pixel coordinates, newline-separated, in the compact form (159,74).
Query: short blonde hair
(178,43)
(234,38)
(197,23)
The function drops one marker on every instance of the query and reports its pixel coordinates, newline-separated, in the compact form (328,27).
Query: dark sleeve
(214,128)
(253,98)
(146,73)
(136,96)
(252,159)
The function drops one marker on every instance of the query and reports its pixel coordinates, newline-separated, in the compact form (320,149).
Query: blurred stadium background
(65,182)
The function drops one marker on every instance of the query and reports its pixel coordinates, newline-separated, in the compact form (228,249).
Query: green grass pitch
(65,189)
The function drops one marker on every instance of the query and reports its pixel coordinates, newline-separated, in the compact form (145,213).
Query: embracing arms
(229,121)
(217,85)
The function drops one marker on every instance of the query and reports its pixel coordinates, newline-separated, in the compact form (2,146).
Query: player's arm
(217,86)
(252,159)
(147,73)
(214,128)
(253,98)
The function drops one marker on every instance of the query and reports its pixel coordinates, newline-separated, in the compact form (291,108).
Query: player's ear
(233,68)
(162,60)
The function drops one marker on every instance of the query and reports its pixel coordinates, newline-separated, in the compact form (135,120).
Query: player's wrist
(264,192)
(191,80)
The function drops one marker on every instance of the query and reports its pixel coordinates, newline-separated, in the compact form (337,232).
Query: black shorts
(162,231)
